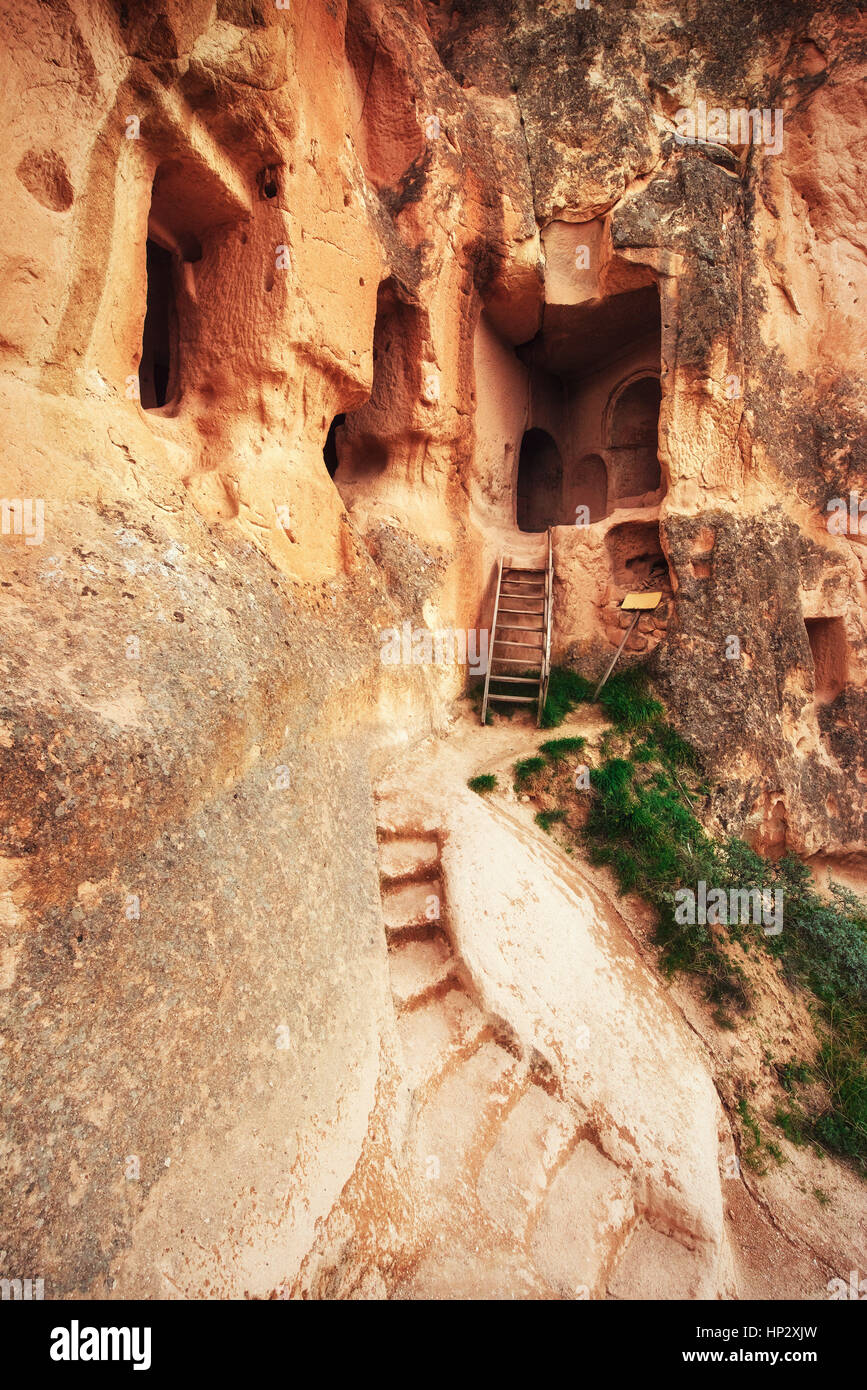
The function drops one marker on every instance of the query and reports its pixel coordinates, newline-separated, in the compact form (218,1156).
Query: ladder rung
(513,699)
(527,586)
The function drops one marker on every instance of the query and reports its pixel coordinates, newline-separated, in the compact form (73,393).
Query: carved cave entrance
(157,371)
(361,444)
(540,482)
(827,638)
(182,204)
(591,440)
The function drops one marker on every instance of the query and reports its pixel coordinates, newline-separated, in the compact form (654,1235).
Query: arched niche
(632,432)
(540,482)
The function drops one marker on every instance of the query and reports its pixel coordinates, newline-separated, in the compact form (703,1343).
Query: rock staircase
(520,636)
(517,1201)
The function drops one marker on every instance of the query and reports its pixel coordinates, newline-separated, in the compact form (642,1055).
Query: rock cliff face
(309,312)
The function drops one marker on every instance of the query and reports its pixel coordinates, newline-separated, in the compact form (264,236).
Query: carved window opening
(158,369)
(366,449)
(827,638)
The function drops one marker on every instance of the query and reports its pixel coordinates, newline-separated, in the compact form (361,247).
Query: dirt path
(505,1155)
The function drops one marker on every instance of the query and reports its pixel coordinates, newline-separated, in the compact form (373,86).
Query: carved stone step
(418,968)
(407,858)
(461,1112)
(409,905)
(516,1172)
(436,1034)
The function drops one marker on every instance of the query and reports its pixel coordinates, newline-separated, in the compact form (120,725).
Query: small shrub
(547,818)
(484,783)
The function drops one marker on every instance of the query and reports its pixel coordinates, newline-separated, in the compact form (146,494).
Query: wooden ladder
(521,629)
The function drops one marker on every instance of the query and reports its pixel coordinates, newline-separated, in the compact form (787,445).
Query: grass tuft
(525,769)
(556,750)
(484,783)
(566,690)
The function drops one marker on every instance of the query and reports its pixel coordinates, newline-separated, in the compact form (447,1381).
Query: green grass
(525,769)
(842,1066)
(638,824)
(556,750)
(566,690)
(548,818)
(788,1073)
(641,822)
(484,783)
(627,700)
(751,1138)
(794,1124)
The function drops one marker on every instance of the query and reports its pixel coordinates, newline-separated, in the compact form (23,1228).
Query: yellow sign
(633,601)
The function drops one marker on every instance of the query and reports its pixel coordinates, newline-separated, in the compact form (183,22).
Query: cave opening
(827,638)
(636,556)
(592,394)
(158,366)
(362,444)
(540,482)
(329,452)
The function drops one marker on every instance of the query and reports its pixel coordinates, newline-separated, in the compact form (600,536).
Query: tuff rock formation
(310,311)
